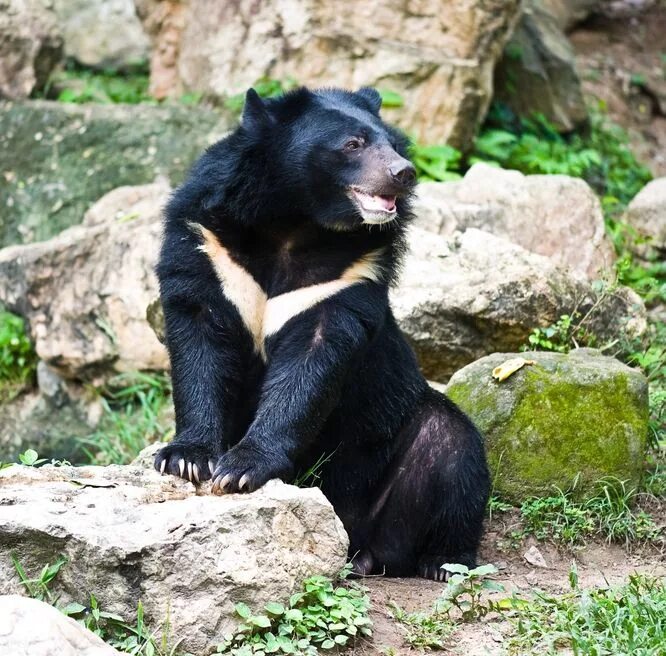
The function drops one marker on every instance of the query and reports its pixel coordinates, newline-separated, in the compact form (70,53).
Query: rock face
(57,635)
(647,215)
(553,215)
(537,73)
(102,33)
(460,300)
(578,415)
(57,159)
(30,46)
(85,292)
(130,534)
(439,55)
(568,13)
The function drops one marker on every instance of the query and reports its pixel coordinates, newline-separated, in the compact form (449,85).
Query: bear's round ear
(255,112)
(371,99)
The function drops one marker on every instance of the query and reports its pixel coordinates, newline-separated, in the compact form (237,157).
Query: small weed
(321,616)
(496,505)
(424,630)
(30,458)
(38,587)
(609,514)
(464,590)
(18,361)
(629,620)
(133,418)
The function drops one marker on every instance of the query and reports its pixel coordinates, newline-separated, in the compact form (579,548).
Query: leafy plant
(18,361)
(391,98)
(628,620)
(31,458)
(609,513)
(322,615)
(38,587)
(134,406)
(440,163)
(464,590)
(424,630)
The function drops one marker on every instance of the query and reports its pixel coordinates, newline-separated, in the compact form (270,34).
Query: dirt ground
(623,63)
(598,564)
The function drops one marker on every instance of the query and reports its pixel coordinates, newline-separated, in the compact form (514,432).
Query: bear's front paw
(245,469)
(193,463)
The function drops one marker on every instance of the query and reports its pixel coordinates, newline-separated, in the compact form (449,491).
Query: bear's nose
(403,172)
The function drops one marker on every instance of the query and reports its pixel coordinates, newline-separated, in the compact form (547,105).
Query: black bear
(278,254)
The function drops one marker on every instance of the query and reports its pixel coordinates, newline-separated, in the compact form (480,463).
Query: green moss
(554,424)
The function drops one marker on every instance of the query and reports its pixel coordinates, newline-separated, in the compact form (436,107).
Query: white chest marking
(265,316)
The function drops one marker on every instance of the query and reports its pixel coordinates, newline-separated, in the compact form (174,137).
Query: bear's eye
(353,144)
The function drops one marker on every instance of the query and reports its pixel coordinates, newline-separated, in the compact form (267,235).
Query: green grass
(323,615)
(134,416)
(18,360)
(610,514)
(627,620)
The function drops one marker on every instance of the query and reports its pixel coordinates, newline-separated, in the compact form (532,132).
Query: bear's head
(324,156)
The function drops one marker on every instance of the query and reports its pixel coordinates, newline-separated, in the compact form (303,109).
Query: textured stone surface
(57,159)
(460,300)
(568,13)
(567,418)
(438,54)
(130,534)
(85,292)
(102,33)
(56,634)
(30,46)
(647,215)
(537,74)
(553,215)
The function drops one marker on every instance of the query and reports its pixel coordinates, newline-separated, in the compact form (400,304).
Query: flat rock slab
(58,635)
(130,535)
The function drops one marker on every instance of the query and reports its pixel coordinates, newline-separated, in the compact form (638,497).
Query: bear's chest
(282,287)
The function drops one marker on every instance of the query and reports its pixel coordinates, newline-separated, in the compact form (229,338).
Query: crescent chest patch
(263,316)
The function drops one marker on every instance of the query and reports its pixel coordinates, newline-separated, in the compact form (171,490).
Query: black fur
(405,469)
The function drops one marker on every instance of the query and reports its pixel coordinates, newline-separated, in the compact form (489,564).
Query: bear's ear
(371,99)
(255,112)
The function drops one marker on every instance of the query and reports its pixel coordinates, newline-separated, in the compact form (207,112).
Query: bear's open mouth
(374,208)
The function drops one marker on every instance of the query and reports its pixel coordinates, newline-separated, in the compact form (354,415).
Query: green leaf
(391,98)
(243,610)
(483,570)
(455,568)
(262,621)
(274,608)
(328,644)
(29,457)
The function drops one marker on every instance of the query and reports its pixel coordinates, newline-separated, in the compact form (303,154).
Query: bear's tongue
(375,203)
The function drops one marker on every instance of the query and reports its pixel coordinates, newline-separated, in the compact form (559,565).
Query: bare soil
(598,564)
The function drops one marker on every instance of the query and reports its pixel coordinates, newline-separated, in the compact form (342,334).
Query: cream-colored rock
(439,55)
(85,292)
(553,215)
(646,214)
(476,294)
(130,534)
(29,627)
(30,46)
(102,33)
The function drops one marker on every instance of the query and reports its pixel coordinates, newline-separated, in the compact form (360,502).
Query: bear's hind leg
(430,510)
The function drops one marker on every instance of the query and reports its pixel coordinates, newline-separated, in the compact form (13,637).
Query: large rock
(102,33)
(439,55)
(537,74)
(553,215)
(30,46)
(568,419)
(85,292)
(130,535)
(57,159)
(475,294)
(58,635)
(646,214)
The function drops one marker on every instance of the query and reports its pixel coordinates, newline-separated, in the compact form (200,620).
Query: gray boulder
(563,420)
(102,33)
(131,535)
(84,293)
(475,294)
(57,159)
(537,73)
(29,627)
(553,215)
(646,214)
(30,47)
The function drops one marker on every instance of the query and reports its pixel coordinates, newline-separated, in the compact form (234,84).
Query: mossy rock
(57,159)
(565,420)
